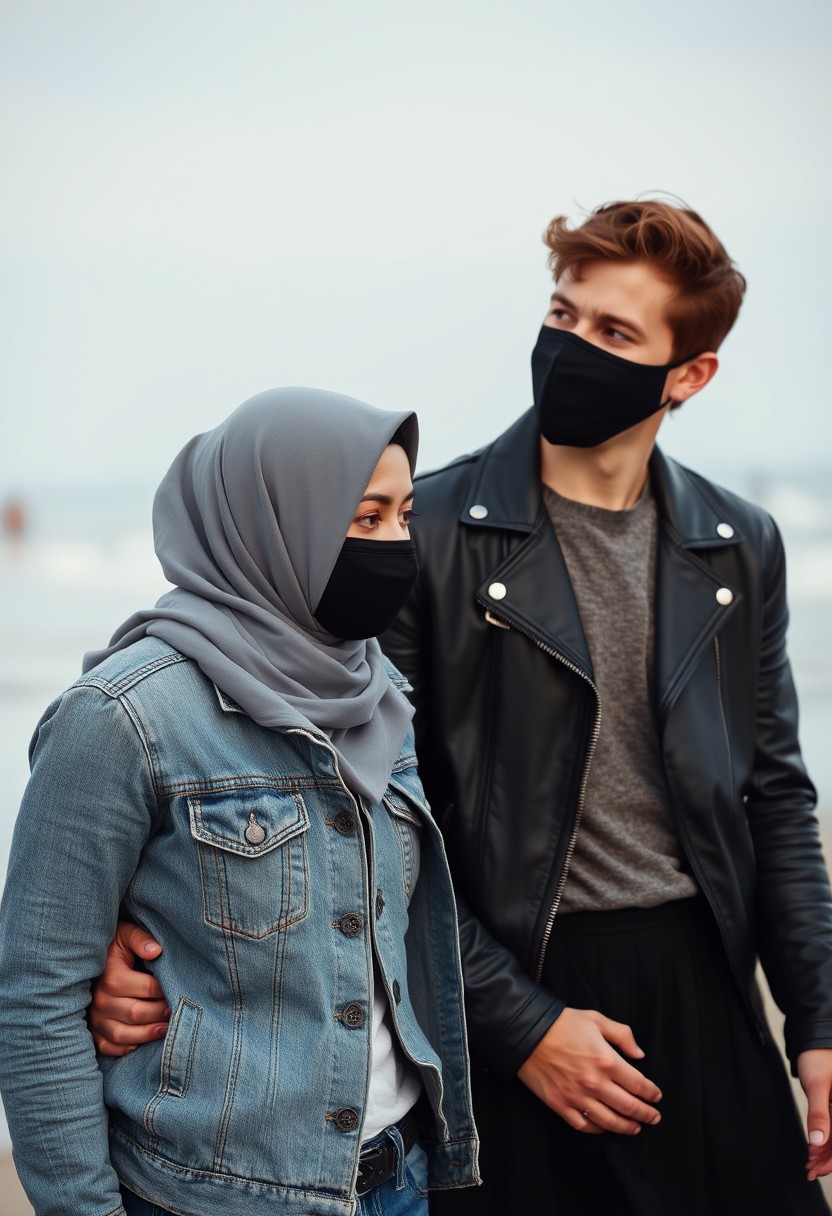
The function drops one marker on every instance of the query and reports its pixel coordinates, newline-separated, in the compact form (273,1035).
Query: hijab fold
(248,524)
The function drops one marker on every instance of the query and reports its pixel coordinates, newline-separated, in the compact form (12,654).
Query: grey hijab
(248,523)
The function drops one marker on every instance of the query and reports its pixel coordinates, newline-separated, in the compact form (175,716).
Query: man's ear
(688,379)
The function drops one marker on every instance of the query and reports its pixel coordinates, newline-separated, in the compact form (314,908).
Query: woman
(236,772)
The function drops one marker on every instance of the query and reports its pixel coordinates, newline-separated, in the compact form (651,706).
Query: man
(607,731)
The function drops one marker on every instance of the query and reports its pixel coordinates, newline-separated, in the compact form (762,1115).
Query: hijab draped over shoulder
(248,523)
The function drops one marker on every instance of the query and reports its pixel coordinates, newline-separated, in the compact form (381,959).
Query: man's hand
(577,1071)
(814,1068)
(127,1007)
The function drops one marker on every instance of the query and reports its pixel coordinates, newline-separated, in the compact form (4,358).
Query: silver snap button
(478,511)
(497,591)
(725,531)
(255,833)
(724,596)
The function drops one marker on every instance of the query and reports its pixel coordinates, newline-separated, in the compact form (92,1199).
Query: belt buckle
(373,1168)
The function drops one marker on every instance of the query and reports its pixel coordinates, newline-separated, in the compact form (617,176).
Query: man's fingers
(634,1082)
(580,1122)
(621,1036)
(113,1038)
(105,1048)
(603,1117)
(132,1012)
(119,981)
(817,1120)
(819,1164)
(131,939)
(622,1104)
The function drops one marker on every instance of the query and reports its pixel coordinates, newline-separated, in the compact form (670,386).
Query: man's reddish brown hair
(675,242)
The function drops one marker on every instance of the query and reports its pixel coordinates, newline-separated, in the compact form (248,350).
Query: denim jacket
(271,889)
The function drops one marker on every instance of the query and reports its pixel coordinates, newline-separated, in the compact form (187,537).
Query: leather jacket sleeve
(507,1012)
(793,897)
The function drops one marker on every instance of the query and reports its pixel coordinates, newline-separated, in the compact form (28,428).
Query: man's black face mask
(584,395)
(368,586)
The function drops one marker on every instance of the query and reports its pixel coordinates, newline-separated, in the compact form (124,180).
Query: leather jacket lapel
(530,589)
(533,591)
(692,600)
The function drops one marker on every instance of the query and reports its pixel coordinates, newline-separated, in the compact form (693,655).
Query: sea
(83,561)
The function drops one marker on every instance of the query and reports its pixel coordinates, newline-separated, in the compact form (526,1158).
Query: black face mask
(584,395)
(368,586)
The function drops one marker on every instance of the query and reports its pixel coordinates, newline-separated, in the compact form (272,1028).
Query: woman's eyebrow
(385,499)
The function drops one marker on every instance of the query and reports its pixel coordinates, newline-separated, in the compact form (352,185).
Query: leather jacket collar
(508,488)
(692,600)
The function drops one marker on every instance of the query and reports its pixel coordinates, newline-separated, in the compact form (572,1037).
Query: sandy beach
(13,1201)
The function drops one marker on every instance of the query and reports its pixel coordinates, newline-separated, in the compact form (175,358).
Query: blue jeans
(404,1195)
(407,1193)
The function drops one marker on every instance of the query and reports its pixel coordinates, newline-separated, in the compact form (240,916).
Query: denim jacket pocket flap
(248,822)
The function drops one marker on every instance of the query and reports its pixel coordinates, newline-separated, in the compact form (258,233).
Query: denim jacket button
(351,924)
(353,1016)
(255,833)
(344,823)
(346,1119)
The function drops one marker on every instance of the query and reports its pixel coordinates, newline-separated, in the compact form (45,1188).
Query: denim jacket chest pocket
(253,858)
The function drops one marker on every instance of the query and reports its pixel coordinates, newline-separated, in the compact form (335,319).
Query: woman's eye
(369,521)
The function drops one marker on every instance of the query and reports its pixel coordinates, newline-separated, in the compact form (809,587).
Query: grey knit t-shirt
(627,853)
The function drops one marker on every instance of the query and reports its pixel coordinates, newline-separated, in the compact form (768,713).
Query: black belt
(378,1165)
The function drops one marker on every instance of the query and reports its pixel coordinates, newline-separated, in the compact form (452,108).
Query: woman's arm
(88,809)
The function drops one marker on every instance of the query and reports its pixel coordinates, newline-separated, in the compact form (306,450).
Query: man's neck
(611,476)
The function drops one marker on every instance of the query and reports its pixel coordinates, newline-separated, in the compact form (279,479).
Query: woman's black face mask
(584,395)
(368,586)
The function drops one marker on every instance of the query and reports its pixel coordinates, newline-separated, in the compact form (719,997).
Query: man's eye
(618,336)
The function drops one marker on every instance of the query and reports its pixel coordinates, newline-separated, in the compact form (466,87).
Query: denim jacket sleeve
(88,809)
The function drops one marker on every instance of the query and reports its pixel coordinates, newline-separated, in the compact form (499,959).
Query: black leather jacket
(507,715)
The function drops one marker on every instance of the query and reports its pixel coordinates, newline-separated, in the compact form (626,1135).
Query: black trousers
(730,1142)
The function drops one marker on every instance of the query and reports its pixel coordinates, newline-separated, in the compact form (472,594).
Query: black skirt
(730,1142)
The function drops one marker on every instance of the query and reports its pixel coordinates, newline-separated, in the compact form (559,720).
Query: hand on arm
(576,1067)
(128,1006)
(814,1068)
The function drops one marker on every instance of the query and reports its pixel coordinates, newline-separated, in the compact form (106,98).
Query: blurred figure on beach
(14,518)
(14,522)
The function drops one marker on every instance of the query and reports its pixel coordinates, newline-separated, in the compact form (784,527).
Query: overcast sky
(205,198)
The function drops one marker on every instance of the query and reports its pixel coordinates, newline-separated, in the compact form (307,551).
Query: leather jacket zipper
(502,623)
